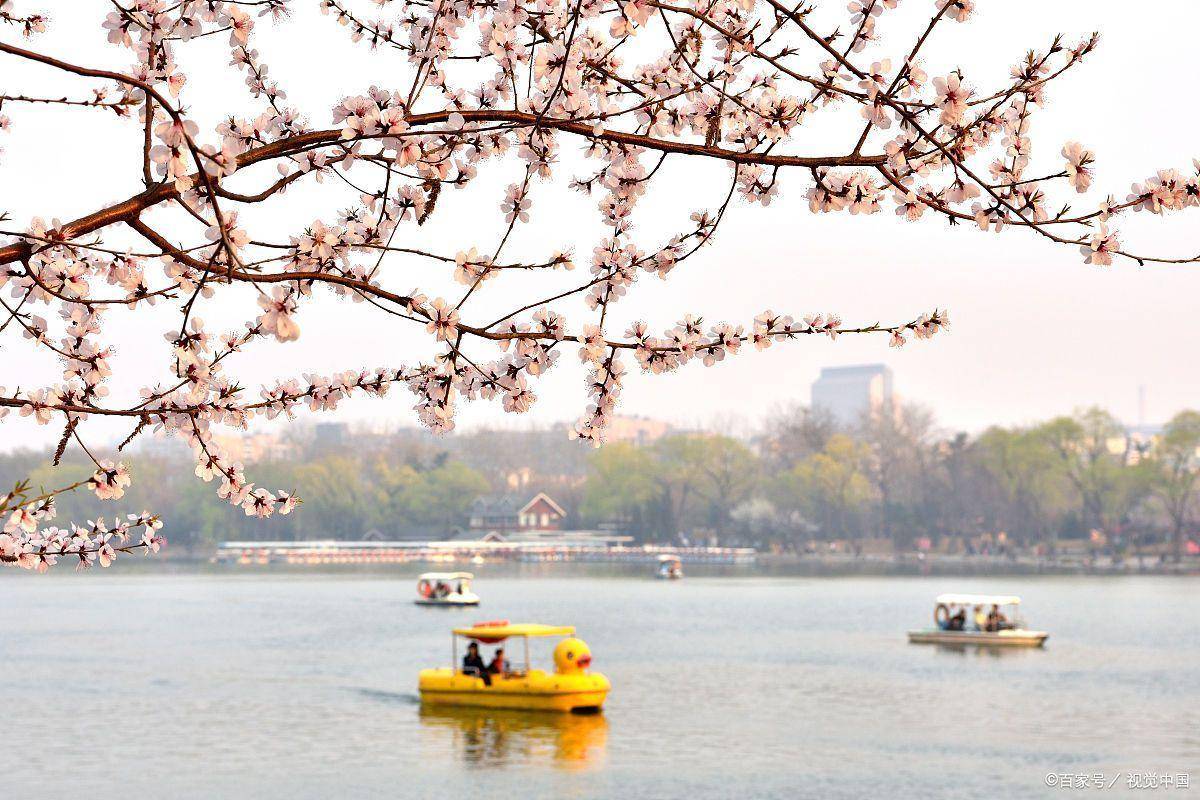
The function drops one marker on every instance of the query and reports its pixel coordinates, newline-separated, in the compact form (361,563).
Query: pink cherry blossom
(369,201)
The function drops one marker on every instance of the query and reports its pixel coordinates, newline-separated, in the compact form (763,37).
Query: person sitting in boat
(473,664)
(981,619)
(958,621)
(499,665)
(996,621)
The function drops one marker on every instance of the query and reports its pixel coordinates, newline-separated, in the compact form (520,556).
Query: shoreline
(764,565)
(912,564)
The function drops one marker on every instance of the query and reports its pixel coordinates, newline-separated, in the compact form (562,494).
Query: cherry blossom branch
(629,83)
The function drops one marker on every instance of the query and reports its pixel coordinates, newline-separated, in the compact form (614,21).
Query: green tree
(337,503)
(1030,485)
(439,498)
(1090,447)
(829,487)
(677,462)
(1176,472)
(621,485)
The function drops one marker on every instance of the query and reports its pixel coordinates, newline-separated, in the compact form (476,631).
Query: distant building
(512,513)
(1145,433)
(518,478)
(850,392)
(326,434)
(250,448)
(636,430)
(1138,442)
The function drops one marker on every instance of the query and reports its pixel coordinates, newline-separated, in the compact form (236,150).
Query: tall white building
(850,392)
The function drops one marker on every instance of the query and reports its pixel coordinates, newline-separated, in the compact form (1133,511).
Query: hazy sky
(1035,331)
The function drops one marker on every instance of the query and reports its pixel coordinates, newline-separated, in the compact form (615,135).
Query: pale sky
(1036,332)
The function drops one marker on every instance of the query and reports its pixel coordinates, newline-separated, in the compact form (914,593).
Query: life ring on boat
(941,615)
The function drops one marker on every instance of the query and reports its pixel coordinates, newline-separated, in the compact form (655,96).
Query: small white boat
(669,567)
(446,589)
(978,619)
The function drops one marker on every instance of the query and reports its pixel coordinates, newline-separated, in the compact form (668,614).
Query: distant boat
(669,567)
(962,619)
(446,589)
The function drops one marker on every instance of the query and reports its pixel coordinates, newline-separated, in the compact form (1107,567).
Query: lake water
(267,685)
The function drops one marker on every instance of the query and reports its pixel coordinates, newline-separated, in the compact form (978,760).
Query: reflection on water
(485,737)
(977,651)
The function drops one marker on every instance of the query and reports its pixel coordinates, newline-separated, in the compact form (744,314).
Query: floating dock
(375,552)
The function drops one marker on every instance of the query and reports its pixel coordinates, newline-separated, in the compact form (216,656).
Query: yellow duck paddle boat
(571,687)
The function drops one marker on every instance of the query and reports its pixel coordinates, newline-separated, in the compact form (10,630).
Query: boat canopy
(978,599)
(668,558)
(497,633)
(445,576)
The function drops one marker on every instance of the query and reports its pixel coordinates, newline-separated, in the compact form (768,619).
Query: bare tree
(481,85)
(795,432)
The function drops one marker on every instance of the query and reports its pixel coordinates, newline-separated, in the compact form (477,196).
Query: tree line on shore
(802,477)
(895,476)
